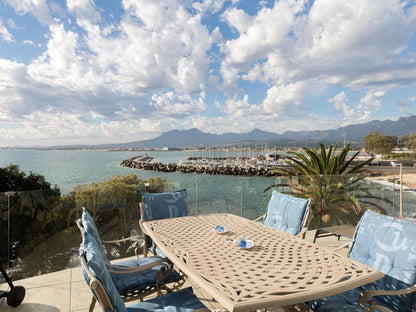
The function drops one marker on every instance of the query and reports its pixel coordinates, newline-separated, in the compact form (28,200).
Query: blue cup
(242,242)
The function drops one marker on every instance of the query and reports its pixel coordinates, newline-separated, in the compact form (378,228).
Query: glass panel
(44,237)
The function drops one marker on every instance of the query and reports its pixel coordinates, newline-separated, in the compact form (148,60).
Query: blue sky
(91,72)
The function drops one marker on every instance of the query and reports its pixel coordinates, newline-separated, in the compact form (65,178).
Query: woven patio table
(279,270)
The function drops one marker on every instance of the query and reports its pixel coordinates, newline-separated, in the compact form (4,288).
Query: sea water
(206,193)
(69,168)
(211,193)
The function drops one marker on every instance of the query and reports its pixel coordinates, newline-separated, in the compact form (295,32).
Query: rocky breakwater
(236,170)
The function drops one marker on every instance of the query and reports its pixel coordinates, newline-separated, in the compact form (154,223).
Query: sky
(93,72)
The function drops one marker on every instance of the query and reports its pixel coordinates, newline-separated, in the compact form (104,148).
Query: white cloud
(262,34)
(60,128)
(85,12)
(340,105)
(4,33)
(38,8)
(148,68)
(361,111)
(171,105)
(208,6)
(169,59)
(288,45)
(369,103)
(28,42)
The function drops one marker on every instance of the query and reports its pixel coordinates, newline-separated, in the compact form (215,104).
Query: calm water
(68,169)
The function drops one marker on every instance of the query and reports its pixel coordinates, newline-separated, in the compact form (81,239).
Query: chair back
(287,213)
(155,206)
(88,225)
(97,276)
(164,205)
(387,244)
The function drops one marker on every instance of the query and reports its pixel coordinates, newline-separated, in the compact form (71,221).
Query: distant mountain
(196,138)
(356,133)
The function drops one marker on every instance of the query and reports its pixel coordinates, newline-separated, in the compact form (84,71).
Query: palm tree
(329,178)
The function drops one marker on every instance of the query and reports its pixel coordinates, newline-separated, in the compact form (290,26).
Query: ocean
(69,168)
(207,193)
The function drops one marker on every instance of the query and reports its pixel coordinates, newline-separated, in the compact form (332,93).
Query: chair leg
(92,305)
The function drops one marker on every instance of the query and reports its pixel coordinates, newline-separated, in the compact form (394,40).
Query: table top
(279,270)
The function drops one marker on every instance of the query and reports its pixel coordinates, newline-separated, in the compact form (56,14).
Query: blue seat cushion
(98,268)
(89,226)
(183,300)
(286,213)
(126,283)
(386,244)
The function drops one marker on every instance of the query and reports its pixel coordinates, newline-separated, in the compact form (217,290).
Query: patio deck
(66,291)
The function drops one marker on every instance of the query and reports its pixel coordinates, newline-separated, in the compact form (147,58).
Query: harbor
(244,164)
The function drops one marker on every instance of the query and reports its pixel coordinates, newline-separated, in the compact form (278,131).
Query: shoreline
(409,180)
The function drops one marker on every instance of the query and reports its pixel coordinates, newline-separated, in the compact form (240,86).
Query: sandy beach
(409,179)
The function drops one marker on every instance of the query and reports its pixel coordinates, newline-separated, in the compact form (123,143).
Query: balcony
(43,240)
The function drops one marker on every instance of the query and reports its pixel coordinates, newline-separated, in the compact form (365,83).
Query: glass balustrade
(39,234)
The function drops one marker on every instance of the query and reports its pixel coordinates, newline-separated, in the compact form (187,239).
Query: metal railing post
(9,228)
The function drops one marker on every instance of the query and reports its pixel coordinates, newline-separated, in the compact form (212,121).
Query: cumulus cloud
(360,111)
(290,44)
(154,48)
(85,12)
(369,103)
(266,65)
(340,105)
(4,33)
(28,42)
(38,8)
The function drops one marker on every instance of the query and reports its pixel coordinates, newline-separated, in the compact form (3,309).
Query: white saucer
(249,244)
(219,232)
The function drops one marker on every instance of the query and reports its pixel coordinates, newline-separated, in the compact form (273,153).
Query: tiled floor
(66,291)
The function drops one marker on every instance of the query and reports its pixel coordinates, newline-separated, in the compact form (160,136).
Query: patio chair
(133,278)
(287,213)
(388,245)
(99,279)
(155,206)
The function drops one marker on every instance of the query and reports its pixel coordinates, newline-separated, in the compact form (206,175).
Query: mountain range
(353,134)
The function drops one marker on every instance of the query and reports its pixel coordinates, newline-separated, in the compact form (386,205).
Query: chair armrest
(302,233)
(122,240)
(346,245)
(141,221)
(260,218)
(114,268)
(366,295)
(138,245)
